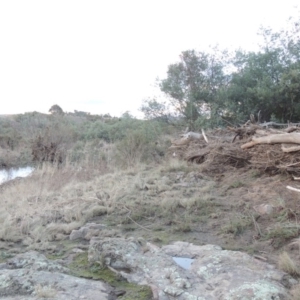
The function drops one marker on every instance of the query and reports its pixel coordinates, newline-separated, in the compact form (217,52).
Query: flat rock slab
(32,276)
(213,274)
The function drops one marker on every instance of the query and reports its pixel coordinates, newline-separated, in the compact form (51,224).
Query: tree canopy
(219,87)
(56,110)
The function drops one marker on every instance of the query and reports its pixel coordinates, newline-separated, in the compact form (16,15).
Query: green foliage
(109,132)
(73,139)
(56,110)
(192,84)
(82,268)
(140,144)
(237,225)
(236,184)
(212,89)
(154,109)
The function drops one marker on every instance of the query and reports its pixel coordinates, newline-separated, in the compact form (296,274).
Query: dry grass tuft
(176,165)
(295,292)
(45,291)
(286,264)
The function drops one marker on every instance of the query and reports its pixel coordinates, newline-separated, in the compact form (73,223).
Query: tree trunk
(288,138)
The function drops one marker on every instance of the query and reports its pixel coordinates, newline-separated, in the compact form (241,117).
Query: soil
(228,218)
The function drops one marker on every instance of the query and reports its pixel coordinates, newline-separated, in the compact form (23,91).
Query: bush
(140,145)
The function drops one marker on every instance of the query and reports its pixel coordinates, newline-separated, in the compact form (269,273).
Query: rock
(213,274)
(32,276)
(87,231)
(34,261)
(264,209)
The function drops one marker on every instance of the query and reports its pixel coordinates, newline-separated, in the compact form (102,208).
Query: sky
(104,56)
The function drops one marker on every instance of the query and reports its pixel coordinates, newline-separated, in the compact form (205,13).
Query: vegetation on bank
(34,138)
(218,88)
(117,171)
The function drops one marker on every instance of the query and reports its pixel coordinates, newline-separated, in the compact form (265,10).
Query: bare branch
(288,149)
(204,136)
(293,189)
(292,138)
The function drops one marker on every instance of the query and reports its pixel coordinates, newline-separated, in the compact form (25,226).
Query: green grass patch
(235,185)
(81,267)
(4,256)
(281,233)
(237,225)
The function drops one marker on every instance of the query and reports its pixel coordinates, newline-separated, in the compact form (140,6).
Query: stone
(264,209)
(87,231)
(32,276)
(214,273)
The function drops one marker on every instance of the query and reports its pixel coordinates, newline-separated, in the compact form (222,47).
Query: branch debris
(255,146)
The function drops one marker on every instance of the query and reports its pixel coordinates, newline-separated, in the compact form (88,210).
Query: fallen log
(293,189)
(267,124)
(289,148)
(289,138)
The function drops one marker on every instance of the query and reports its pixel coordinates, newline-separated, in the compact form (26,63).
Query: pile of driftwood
(260,146)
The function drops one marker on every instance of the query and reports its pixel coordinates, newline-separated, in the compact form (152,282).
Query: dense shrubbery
(73,139)
(216,87)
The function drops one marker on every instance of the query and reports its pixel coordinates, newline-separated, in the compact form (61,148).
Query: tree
(210,87)
(56,110)
(193,83)
(154,109)
(269,80)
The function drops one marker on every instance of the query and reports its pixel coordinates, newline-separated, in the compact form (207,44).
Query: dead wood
(293,189)
(274,124)
(292,138)
(262,132)
(192,136)
(288,148)
(220,154)
(291,129)
(244,131)
(204,136)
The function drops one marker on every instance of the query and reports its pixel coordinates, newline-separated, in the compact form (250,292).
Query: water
(9,174)
(183,262)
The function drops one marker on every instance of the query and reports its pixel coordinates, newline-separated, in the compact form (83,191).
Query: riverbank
(12,173)
(159,204)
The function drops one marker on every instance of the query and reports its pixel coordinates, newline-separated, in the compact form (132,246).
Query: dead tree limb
(289,148)
(289,138)
(293,189)
(192,135)
(204,136)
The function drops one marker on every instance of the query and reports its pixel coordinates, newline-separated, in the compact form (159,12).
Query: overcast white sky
(104,56)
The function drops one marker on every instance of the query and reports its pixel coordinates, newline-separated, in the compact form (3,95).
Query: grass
(295,292)
(44,291)
(286,264)
(175,165)
(80,267)
(281,233)
(237,225)
(236,184)
(120,185)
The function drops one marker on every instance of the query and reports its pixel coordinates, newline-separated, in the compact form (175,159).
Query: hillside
(122,176)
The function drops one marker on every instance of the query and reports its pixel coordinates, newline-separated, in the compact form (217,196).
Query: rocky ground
(223,229)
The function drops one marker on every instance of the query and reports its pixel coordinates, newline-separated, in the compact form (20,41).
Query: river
(9,174)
